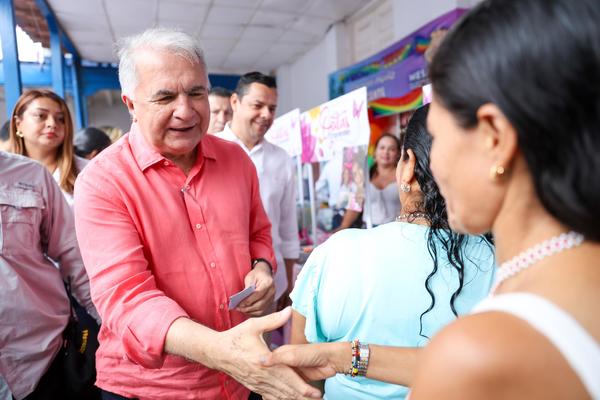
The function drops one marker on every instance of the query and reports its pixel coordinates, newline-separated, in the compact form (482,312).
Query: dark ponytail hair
(433,205)
(539,62)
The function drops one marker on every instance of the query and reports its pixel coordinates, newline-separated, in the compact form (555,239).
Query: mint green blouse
(370,285)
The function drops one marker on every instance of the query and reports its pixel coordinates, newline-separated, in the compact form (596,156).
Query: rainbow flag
(396,105)
(422,44)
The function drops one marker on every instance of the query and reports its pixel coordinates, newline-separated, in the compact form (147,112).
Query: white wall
(372,29)
(410,15)
(304,83)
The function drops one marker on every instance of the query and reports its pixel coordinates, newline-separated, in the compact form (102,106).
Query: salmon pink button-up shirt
(159,245)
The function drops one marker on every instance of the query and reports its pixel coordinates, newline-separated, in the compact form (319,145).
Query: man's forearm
(236,352)
(193,341)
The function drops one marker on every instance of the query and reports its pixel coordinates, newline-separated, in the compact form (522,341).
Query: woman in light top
(515,121)
(382,189)
(41,128)
(396,284)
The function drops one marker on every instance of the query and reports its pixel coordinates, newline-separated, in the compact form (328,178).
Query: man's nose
(183,107)
(267,113)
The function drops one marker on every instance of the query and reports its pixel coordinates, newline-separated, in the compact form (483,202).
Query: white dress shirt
(278,193)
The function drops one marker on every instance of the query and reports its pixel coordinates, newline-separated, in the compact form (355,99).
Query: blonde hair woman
(41,128)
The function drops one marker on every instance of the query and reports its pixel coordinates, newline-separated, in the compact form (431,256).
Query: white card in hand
(237,298)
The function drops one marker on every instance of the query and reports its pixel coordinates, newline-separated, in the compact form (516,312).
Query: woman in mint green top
(396,284)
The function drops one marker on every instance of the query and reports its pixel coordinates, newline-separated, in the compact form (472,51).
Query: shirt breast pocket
(20,218)
(272,188)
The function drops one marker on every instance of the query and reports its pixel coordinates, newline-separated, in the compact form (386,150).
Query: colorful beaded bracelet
(360,359)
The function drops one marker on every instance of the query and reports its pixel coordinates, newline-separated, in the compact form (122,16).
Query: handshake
(243,354)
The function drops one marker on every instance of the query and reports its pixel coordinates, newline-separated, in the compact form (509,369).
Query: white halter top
(578,347)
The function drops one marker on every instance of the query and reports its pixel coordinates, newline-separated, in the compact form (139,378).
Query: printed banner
(285,133)
(396,105)
(396,70)
(339,123)
(395,81)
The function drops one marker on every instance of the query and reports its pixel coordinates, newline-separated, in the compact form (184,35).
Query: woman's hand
(314,361)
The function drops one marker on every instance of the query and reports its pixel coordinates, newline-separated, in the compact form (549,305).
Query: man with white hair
(171,225)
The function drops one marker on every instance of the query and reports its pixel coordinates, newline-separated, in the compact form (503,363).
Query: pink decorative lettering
(356,109)
(333,120)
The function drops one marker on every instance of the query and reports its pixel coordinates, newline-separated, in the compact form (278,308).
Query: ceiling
(30,19)
(236,35)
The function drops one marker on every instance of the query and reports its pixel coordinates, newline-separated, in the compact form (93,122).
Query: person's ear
(130,106)
(234,100)
(408,170)
(499,138)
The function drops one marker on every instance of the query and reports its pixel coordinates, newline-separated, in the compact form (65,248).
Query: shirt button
(212,265)
(166,163)
(221,306)
(198,226)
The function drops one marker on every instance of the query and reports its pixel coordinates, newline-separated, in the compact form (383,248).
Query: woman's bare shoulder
(493,355)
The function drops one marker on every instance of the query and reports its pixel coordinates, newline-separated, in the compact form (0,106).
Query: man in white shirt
(254,102)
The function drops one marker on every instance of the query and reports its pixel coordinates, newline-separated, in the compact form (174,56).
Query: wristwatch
(257,260)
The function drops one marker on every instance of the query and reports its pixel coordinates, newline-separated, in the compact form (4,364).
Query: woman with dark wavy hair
(396,284)
(515,121)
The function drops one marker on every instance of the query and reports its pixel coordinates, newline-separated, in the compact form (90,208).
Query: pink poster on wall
(332,126)
(285,133)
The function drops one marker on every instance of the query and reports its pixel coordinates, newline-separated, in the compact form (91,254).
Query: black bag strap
(67,285)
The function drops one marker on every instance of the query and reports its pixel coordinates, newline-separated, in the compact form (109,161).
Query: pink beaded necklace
(535,254)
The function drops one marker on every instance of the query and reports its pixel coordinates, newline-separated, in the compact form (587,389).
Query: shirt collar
(146,156)
(229,135)
(207,147)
